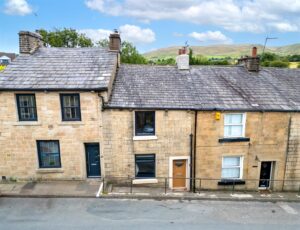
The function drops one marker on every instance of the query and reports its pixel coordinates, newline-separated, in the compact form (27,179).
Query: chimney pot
(29,42)
(254,52)
(115,41)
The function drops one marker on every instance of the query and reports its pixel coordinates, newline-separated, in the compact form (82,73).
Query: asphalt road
(23,214)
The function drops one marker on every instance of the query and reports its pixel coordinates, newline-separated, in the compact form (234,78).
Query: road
(46,214)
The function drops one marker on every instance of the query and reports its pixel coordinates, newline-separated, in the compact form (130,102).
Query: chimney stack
(29,42)
(182,60)
(115,41)
(251,63)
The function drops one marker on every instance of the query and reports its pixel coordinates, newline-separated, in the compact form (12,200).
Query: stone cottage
(69,118)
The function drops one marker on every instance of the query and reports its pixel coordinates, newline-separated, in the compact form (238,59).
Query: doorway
(92,153)
(265,174)
(179,172)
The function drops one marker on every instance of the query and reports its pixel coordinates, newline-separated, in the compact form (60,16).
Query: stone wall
(267,132)
(268,139)
(18,149)
(172,131)
(293,155)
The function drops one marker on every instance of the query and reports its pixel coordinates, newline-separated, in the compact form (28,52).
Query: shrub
(279,64)
(298,66)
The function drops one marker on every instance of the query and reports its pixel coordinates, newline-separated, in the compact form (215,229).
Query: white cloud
(211,36)
(136,34)
(285,27)
(17,7)
(233,15)
(129,33)
(96,34)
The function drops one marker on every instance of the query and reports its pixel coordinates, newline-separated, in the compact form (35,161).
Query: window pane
(49,160)
(233,118)
(145,166)
(231,161)
(49,154)
(231,173)
(227,131)
(49,147)
(236,131)
(145,123)
(26,107)
(26,101)
(70,107)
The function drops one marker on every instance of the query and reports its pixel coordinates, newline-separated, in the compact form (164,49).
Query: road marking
(100,189)
(287,208)
(241,195)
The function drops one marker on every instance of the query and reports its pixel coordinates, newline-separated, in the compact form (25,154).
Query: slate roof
(206,88)
(60,69)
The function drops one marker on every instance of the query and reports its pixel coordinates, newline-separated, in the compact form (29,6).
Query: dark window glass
(144,123)
(70,106)
(49,154)
(26,107)
(145,166)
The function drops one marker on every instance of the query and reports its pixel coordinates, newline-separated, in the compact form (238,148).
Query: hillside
(223,50)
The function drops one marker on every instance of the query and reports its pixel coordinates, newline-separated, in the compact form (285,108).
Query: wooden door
(179,173)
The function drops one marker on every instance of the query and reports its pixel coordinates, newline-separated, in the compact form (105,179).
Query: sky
(152,24)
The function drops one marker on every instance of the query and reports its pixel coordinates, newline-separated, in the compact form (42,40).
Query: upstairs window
(49,154)
(234,125)
(70,107)
(232,167)
(26,107)
(145,166)
(145,123)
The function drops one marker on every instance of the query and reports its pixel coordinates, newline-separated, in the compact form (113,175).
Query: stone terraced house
(77,113)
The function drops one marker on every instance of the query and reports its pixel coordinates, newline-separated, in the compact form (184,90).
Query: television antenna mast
(266,40)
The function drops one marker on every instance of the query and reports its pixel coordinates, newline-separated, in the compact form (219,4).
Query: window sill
(71,123)
(234,139)
(231,182)
(145,181)
(144,138)
(27,123)
(50,170)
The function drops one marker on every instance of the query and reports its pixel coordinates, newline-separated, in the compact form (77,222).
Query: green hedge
(279,64)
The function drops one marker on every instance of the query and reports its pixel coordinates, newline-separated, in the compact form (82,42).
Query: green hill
(223,50)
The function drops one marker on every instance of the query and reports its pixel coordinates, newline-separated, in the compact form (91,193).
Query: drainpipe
(191,162)
(287,149)
(102,101)
(195,151)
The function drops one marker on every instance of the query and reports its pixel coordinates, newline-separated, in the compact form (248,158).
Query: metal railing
(197,185)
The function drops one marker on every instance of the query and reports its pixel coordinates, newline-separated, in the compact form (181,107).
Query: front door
(179,173)
(265,174)
(93,160)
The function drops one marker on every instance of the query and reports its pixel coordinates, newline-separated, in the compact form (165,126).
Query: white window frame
(144,138)
(243,124)
(241,167)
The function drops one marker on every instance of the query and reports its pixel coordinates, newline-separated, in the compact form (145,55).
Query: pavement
(93,189)
(91,213)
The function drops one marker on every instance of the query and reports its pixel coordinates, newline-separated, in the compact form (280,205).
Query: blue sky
(152,24)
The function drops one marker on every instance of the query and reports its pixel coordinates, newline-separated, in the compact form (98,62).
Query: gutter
(202,109)
(55,90)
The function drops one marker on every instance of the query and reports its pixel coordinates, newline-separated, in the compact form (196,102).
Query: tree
(201,60)
(129,53)
(65,38)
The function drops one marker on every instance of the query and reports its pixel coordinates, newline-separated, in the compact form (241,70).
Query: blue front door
(93,160)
